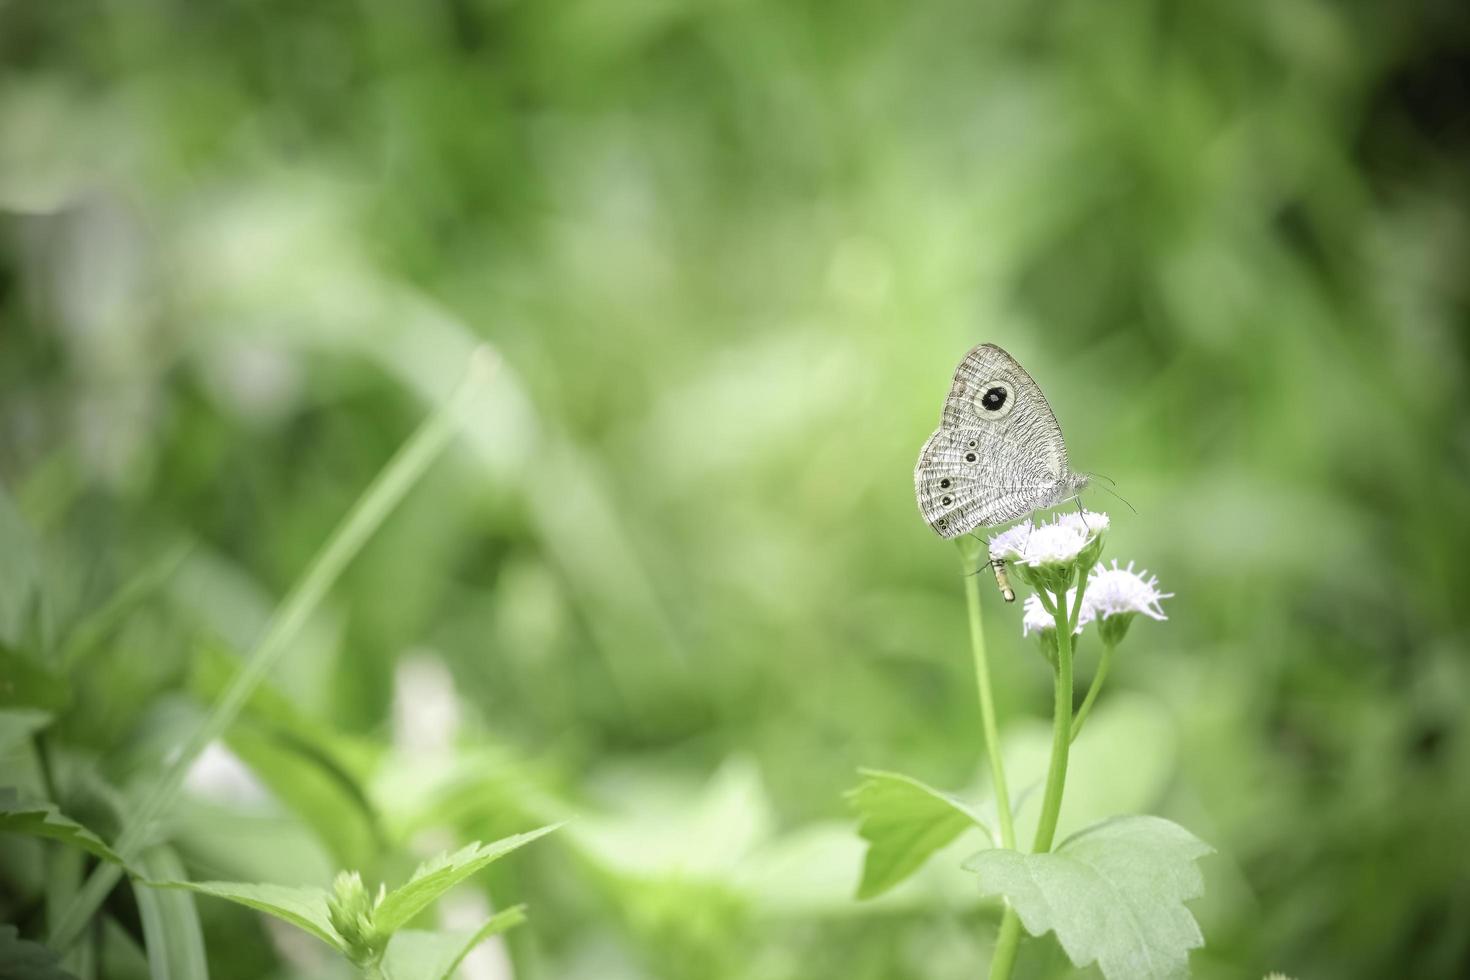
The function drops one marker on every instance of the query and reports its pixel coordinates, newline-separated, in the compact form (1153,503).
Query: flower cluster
(1050,556)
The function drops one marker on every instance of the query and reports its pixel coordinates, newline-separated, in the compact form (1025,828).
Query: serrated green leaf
(303,907)
(904,821)
(415,954)
(1113,893)
(434,878)
(39,819)
(21,959)
(172,936)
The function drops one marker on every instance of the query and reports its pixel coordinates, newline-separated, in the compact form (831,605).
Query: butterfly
(998,453)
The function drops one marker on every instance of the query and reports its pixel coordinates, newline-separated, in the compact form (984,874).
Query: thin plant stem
(1056,775)
(386,491)
(1009,936)
(1007,942)
(1097,682)
(969,555)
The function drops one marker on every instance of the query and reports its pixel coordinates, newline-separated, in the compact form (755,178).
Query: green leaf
(21,959)
(415,954)
(303,907)
(1113,893)
(434,878)
(43,820)
(312,786)
(120,956)
(904,821)
(19,724)
(25,683)
(171,931)
(316,772)
(243,844)
(19,570)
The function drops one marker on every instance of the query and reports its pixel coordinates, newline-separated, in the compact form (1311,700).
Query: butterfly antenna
(1122,498)
(985,542)
(1110,480)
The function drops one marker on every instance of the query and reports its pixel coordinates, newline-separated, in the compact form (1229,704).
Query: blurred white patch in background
(219,776)
(259,382)
(426,719)
(466,909)
(101,283)
(425,706)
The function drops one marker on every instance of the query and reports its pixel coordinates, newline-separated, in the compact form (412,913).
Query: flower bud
(350,908)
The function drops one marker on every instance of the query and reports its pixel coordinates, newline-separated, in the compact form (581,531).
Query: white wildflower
(1037,619)
(1088,522)
(1055,543)
(1116,595)
(1051,556)
(1010,544)
(1116,591)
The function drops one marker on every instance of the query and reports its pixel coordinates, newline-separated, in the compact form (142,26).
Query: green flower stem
(384,494)
(1010,926)
(1007,941)
(969,555)
(1056,776)
(1097,683)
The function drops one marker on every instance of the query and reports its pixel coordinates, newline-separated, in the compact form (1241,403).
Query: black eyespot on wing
(944,483)
(973,444)
(942,522)
(994,399)
(971,457)
(946,500)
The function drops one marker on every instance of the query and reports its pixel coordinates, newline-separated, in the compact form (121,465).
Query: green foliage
(303,907)
(24,960)
(435,877)
(904,821)
(24,683)
(416,954)
(367,927)
(19,724)
(730,252)
(38,819)
(1113,893)
(19,571)
(171,931)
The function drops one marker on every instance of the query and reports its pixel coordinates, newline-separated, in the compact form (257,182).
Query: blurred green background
(673,580)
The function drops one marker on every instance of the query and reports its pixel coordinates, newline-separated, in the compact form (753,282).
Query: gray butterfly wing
(997,455)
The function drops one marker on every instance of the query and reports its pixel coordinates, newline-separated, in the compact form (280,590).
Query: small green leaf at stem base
(1113,893)
(904,821)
